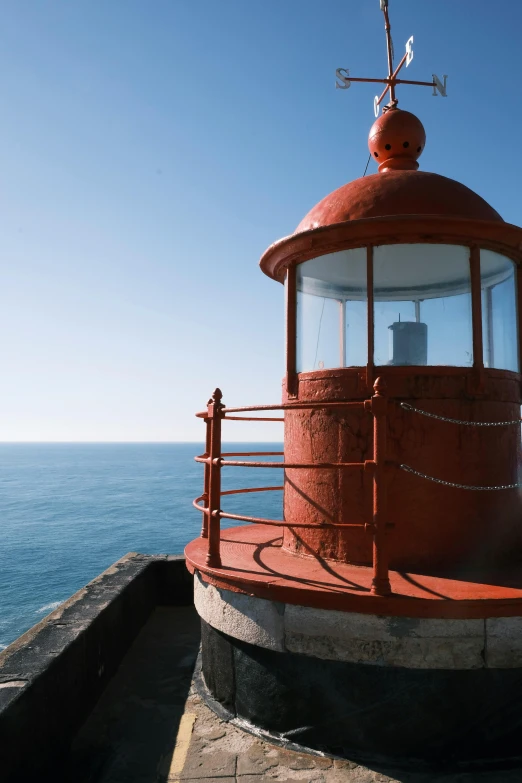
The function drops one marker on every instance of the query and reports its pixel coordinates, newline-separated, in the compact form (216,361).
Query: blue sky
(150,150)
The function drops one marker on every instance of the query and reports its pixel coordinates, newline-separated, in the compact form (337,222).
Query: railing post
(206,478)
(214,415)
(381,580)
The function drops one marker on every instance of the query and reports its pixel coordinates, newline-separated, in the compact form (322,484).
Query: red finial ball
(396,140)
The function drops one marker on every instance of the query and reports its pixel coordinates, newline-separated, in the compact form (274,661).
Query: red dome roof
(398,193)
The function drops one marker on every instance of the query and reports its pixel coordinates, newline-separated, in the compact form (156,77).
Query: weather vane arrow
(344,80)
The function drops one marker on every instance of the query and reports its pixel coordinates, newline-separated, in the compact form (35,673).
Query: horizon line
(117,442)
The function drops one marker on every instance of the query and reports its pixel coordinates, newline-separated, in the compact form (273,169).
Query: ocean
(67,511)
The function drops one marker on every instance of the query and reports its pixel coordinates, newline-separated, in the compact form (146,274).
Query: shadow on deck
(102,691)
(131,733)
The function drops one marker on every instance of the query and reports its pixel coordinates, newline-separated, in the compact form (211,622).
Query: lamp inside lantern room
(422,308)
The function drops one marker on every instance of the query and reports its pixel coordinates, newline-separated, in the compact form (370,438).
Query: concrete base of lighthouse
(381,688)
(302,650)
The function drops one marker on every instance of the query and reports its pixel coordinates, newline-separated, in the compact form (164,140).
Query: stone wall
(53,675)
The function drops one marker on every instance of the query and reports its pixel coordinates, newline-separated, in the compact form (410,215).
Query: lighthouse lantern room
(381,617)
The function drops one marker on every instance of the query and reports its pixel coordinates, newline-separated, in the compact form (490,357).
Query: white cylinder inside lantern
(418,284)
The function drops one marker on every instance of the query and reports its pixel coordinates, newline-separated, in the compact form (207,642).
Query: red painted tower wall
(434,526)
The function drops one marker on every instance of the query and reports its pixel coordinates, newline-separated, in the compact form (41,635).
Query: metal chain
(408,407)
(453,484)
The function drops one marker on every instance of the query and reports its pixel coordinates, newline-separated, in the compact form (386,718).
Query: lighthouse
(381,618)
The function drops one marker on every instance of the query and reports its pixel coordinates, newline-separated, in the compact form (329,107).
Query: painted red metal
(214,461)
(253,562)
(436,527)
(287,465)
(370,324)
(379,408)
(396,140)
(394,193)
(491,234)
(349,510)
(214,414)
(291,333)
(250,489)
(206,478)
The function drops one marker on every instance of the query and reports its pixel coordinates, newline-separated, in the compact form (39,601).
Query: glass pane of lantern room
(332,311)
(499,311)
(422,310)
(317,332)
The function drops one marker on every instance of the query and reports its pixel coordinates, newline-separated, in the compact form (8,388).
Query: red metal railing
(214,460)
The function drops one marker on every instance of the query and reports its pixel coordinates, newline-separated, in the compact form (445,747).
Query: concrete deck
(151,726)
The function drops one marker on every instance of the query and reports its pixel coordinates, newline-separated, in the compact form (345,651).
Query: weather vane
(344,79)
